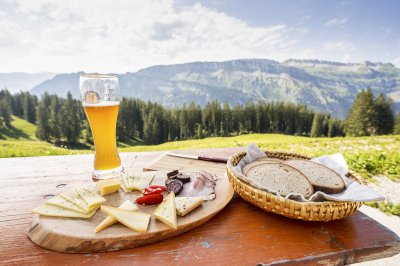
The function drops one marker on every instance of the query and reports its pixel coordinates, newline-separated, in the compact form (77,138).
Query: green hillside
(367,155)
(20,141)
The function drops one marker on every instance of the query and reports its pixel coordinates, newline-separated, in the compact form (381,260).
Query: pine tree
(226,120)
(261,118)
(71,126)
(29,112)
(397,124)
(43,129)
(335,128)
(55,118)
(317,129)
(384,115)
(5,113)
(361,119)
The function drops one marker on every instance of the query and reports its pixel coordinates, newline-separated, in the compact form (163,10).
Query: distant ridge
(20,81)
(325,86)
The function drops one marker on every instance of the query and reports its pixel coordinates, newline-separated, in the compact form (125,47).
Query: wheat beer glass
(99,100)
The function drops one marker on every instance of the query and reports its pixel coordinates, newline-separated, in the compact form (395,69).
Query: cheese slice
(138,181)
(74,197)
(123,186)
(166,211)
(51,210)
(108,186)
(109,220)
(63,203)
(138,221)
(184,205)
(91,197)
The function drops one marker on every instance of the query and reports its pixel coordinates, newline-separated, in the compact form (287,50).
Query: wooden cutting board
(77,235)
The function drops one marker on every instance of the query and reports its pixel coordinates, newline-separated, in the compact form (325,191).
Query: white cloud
(339,46)
(119,36)
(336,22)
(302,30)
(346,57)
(396,62)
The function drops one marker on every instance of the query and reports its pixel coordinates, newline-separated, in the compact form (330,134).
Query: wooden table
(239,235)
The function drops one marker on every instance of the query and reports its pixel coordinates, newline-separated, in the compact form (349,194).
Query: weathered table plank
(240,234)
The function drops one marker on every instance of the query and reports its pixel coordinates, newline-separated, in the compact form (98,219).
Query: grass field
(367,155)
(20,141)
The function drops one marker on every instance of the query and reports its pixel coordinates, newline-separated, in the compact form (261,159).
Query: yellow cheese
(91,197)
(166,211)
(74,197)
(109,220)
(138,181)
(123,186)
(108,186)
(63,203)
(51,210)
(138,221)
(184,205)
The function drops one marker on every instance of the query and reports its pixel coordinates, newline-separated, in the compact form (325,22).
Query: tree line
(63,119)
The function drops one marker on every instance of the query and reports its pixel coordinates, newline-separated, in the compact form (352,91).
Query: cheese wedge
(74,197)
(184,205)
(138,181)
(63,203)
(122,182)
(138,221)
(166,211)
(109,220)
(108,186)
(51,210)
(92,199)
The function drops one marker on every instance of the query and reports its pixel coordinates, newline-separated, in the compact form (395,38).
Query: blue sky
(123,35)
(362,29)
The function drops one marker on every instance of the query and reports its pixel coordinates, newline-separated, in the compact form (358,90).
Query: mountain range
(20,81)
(328,87)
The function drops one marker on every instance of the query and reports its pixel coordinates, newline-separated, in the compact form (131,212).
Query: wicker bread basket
(307,211)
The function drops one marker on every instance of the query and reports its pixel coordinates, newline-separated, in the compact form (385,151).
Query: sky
(125,36)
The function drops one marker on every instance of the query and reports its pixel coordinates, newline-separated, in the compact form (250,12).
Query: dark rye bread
(321,177)
(280,178)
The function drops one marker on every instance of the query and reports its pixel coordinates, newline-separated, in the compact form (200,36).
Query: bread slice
(321,177)
(281,178)
(259,161)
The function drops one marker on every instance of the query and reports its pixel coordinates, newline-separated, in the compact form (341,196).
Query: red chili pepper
(164,188)
(150,199)
(150,191)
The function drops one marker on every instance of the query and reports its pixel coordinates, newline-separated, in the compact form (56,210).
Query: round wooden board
(77,235)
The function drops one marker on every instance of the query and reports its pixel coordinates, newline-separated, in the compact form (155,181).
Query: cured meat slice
(201,184)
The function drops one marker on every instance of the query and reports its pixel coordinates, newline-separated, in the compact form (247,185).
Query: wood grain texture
(77,235)
(240,234)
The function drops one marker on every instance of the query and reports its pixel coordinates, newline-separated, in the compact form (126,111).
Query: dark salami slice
(183,177)
(174,185)
(169,180)
(172,174)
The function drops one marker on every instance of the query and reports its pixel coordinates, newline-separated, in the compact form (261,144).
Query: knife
(199,157)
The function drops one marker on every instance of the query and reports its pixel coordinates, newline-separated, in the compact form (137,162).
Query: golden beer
(103,121)
(100,102)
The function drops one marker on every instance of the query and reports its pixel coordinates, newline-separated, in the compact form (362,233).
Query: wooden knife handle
(213,159)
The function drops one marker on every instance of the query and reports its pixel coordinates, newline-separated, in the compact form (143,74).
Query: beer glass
(99,100)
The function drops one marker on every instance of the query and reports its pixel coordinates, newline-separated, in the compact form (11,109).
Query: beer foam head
(100,104)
